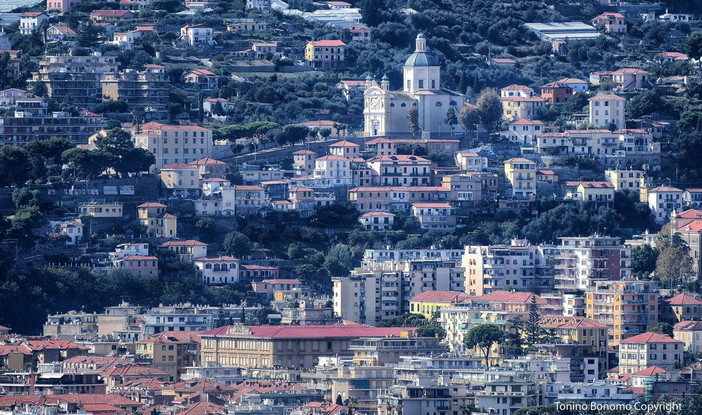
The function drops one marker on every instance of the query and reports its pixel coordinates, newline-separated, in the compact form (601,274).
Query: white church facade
(385,112)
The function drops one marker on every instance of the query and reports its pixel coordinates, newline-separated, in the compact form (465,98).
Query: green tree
(51,148)
(469,117)
(484,337)
(533,329)
(413,119)
(643,259)
(512,345)
(237,244)
(693,45)
(490,109)
(674,265)
(86,162)
(23,197)
(15,166)
(339,260)
(431,330)
(407,320)
(662,328)
(451,119)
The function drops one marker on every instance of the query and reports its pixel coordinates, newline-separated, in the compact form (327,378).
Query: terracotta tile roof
(683,299)
(694,226)
(218,258)
(83,398)
(650,338)
(245,188)
(440,296)
(688,326)
(110,13)
(64,29)
(524,121)
(138,258)
(54,344)
(399,189)
(344,143)
(95,362)
(304,152)
(377,214)
(174,337)
(202,408)
(201,72)
(206,161)
(326,43)
(609,97)
(178,166)
(650,371)
(133,370)
(331,158)
(664,189)
(519,160)
(500,296)
(630,71)
(144,384)
(165,127)
(152,205)
(189,242)
(15,349)
(570,322)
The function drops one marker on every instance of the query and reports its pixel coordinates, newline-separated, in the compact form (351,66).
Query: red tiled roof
(217,258)
(138,258)
(694,226)
(630,71)
(377,214)
(500,296)
(202,408)
(326,43)
(440,296)
(399,189)
(293,281)
(165,127)
(83,398)
(133,370)
(206,160)
(189,242)
(304,152)
(344,143)
(201,72)
(664,189)
(650,338)
(688,326)
(524,121)
(14,349)
(650,371)
(683,299)
(400,158)
(601,97)
(313,331)
(152,205)
(178,166)
(31,14)
(331,157)
(246,188)
(110,13)
(64,29)
(54,344)
(174,337)
(570,322)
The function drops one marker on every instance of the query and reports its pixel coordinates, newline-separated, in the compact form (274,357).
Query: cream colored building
(690,333)
(158,223)
(521,174)
(101,210)
(181,179)
(173,143)
(606,109)
(663,201)
(650,349)
(624,179)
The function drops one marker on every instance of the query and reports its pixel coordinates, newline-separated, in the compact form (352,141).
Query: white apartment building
(649,349)
(663,201)
(378,293)
(581,261)
(624,179)
(332,171)
(219,270)
(606,109)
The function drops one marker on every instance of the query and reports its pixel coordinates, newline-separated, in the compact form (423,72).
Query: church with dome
(385,111)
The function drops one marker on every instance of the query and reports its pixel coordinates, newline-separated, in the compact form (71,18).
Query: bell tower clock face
(375,103)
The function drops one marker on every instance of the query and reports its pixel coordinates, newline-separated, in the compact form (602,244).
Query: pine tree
(533,330)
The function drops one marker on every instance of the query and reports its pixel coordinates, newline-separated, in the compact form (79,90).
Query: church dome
(421,57)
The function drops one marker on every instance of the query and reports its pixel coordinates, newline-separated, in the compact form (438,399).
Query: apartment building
(304,162)
(627,307)
(378,293)
(198,34)
(606,109)
(147,88)
(491,268)
(663,201)
(690,333)
(630,79)
(395,198)
(556,93)
(173,143)
(63,6)
(75,79)
(464,187)
(650,349)
(625,179)
(401,170)
(332,171)
(158,223)
(138,265)
(429,303)
(582,261)
(180,179)
(325,54)
(220,270)
(525,132)
(244,199)
(581,331)
(521,174)
(682,307)
(377,221)
(610,22)
(438,217)
(31,121)
(471,161)
(186,251)
(171,351)
(286,346)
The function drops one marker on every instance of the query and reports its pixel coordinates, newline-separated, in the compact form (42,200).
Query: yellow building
(682,307)
(579,330)
(158,223)
(521,174)
(171,351)
(627,307)
(516,108)
(690,333)
(596,192)
(325,54)
(429,302)
(626,179)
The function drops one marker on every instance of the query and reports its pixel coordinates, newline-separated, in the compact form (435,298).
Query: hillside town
(372,207)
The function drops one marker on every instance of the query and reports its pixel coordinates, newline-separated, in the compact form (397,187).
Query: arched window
(438,104)
(392,105)
(403,105)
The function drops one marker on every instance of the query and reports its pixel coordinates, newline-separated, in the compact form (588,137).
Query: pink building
(270,286)
(64,6)
(139,265)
